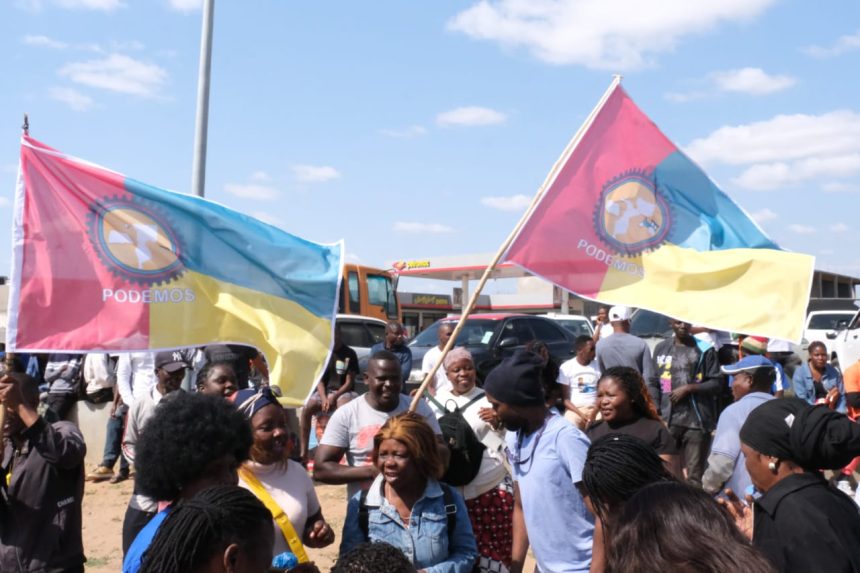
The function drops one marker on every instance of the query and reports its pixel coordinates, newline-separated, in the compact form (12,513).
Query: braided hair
(206,524)
(616,467)
(633,385)
(372,558)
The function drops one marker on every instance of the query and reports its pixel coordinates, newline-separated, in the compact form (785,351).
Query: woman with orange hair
(407,507)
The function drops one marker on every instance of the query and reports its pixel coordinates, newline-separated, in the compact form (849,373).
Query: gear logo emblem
(135,242)
(632,216)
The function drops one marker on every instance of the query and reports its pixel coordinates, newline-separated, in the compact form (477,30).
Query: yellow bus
(368,291)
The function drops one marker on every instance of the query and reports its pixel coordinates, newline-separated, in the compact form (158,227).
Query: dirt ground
(104,508)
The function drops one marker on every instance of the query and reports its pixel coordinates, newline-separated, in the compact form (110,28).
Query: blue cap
(748,364)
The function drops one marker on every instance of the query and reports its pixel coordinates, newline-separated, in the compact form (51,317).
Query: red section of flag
(63,281)
(559,241)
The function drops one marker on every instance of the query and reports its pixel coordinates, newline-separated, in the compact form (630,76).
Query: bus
(367,291)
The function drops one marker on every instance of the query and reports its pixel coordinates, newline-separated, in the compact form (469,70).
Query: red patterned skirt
(491,515)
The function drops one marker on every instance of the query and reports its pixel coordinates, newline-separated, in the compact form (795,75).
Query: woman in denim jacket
(817,382)
(406,505)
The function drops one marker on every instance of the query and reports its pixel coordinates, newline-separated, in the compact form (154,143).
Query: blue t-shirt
(131,563)
(546,466)
(727,441)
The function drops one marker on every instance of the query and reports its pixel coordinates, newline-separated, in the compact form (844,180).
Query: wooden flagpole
(550,178)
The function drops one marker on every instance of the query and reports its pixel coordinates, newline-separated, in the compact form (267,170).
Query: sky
(420,129)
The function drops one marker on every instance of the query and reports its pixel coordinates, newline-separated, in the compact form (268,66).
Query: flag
(105,263)
(629,219)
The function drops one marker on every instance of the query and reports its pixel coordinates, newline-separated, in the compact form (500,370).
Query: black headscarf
(814,437)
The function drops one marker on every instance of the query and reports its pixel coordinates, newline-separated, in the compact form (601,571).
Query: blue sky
(421,129)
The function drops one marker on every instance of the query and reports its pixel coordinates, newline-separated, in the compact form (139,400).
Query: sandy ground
(104,508)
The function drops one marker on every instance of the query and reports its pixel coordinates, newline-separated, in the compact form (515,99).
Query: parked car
(360,332)
(492,337)
(576,324)
(820,322)
(652,327)
(844,344)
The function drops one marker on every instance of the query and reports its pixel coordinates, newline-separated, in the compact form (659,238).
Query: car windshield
(477,332)
(646,323)
(576,327)
(829,321)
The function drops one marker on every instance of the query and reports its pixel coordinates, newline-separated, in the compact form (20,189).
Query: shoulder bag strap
(289,532)
(450,512)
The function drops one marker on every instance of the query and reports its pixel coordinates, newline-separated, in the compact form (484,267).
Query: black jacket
(40,523)
(802,524)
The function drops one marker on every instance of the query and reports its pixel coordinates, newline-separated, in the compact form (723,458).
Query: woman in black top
(625,407)
(801,523)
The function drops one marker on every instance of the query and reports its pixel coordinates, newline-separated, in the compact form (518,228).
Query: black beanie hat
(812,436)
(517,380)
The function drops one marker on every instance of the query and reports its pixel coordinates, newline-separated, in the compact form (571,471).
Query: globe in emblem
(631,216)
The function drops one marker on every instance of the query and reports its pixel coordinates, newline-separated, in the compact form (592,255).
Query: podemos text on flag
(105,263)
(629,219)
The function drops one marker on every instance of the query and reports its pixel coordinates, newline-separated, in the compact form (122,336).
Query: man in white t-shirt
(432,357)
(578,376)
(352,427)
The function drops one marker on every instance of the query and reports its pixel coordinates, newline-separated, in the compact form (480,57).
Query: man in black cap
(546,454)
(170,367)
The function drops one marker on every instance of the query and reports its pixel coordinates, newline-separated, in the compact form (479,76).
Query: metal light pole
(198,176)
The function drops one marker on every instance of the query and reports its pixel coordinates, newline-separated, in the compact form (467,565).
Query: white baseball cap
(619,313)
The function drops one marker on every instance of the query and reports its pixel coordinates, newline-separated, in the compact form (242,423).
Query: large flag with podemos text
(104,262)
(629,219)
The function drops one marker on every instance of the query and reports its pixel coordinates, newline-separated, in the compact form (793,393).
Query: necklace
(405,517)
(516,458)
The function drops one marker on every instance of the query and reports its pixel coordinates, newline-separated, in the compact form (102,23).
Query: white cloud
(603,34)
(315,173)
(512,203)
(5,202)
(106,5)
(118,73)
(251,191)
(186,5)
(353,257)
(840,228)
(802,229)
(428,228)
(786,150)
(470,116)
(826,252)
(684,97)
(260,177)
(9,168)
(44,42)
(764,215)
(846,43)
(753,81)
(840,187)
(410,132)
(72,97)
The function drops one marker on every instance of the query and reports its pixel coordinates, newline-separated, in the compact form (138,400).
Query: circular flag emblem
(632,216)
(135,243)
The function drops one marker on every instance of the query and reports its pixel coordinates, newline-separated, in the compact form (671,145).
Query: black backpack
(465,447)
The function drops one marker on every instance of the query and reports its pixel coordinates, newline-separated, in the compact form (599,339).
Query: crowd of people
(699,456)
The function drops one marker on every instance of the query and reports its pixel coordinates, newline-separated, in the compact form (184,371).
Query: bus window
(380,292)
(354,293)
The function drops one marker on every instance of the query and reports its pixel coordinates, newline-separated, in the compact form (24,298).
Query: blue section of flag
(235,248)
(704,218)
